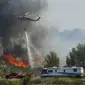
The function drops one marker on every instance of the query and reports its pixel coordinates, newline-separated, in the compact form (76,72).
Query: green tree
(51,60)
(76,56)
(68,61)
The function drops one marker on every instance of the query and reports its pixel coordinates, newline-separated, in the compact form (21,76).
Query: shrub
(1,74)
(26,79)
(62,81)
(36,81)
(77,82)
(1,82)
(14,82)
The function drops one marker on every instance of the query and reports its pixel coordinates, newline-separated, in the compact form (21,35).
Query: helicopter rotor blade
(26,13)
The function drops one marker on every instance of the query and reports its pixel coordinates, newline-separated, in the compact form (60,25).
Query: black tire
(78,76)
(9,78)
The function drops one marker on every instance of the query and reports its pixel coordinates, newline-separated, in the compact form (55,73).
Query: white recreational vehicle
(62,72)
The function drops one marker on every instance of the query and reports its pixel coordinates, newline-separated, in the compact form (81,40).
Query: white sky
(63,14)
(67,14)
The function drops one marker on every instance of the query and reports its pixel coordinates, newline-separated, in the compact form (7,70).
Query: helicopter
(27,18)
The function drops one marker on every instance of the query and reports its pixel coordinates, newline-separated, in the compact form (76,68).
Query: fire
(37,62)
(13,61)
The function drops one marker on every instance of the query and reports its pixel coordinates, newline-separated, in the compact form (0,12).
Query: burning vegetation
(21,63)
(13,61)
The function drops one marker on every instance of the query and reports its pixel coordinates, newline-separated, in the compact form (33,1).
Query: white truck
(62,72)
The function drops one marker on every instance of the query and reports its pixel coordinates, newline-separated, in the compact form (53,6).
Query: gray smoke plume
(12,29)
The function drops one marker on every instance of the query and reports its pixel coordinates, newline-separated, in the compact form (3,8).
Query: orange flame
(13,61)
(37,62)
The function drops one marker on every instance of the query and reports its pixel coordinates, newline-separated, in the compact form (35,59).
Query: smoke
(43,34)
(12,31)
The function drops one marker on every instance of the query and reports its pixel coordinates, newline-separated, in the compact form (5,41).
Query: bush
(62,82)
(68,81)
(26,79)
(36,81)
(77,82)
(1,82)
(11,82)
(45,81)
(14,82)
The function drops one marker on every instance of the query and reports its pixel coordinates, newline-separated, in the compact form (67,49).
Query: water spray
(30,58)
